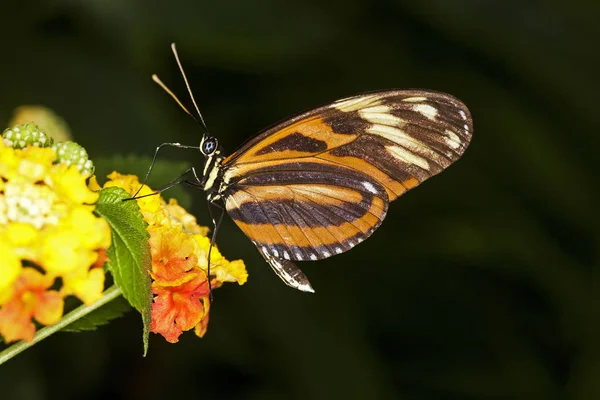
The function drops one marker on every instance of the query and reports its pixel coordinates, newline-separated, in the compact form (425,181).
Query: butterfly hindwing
(309,213)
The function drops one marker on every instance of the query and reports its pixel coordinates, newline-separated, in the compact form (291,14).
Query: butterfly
(319,183)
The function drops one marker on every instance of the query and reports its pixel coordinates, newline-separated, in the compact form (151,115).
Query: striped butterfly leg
(216,225)
(177,145)
(289,272)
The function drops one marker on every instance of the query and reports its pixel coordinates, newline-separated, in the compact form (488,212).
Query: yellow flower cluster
(179,249)
(47,231)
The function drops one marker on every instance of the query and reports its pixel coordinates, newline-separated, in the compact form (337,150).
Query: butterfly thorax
(211,172)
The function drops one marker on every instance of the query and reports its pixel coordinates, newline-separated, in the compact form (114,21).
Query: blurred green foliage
(481,284)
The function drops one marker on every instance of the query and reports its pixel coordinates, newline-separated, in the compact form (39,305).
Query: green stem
(110,294)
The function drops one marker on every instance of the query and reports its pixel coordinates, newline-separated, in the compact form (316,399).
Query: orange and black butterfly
(321,182)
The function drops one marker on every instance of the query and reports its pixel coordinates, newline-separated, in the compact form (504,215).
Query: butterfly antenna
(160,83)
(187,85)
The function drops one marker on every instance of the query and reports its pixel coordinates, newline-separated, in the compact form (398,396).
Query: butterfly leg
(178,145)
(180,179)
(216,225)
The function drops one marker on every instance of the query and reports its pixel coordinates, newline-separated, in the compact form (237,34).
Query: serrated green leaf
(129,254)
(163,172)
(101,316)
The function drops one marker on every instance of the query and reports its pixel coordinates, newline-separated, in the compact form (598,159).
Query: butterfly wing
(319,183)
(399,138)
(305,211)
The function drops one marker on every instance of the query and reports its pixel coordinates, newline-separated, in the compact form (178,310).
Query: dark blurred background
(481,284)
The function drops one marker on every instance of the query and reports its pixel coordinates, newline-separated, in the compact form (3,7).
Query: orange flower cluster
(179,248)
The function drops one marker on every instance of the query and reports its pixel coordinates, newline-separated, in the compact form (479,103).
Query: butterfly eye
(209,146)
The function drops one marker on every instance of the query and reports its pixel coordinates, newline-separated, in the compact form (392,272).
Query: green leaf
(129,254)
(101,316)
(163,172)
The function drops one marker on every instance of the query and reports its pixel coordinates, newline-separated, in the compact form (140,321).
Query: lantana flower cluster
(179,249)
(51,243)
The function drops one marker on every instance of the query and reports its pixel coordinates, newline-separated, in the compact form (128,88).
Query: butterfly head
(209,146)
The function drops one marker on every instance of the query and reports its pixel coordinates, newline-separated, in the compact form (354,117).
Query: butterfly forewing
(400,138)
(319,183)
